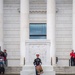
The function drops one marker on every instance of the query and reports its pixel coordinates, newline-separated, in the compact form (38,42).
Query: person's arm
(34,62)
(40,62)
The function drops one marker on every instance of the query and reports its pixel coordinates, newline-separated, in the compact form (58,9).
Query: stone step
(13,70)
(11,74)
(65,70)
(68,70)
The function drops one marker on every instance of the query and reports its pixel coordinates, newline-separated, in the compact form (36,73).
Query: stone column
(51,27)
(73,27)
(1,24)
(24,27)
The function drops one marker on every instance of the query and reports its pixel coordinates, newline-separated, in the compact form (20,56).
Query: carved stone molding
(38,11)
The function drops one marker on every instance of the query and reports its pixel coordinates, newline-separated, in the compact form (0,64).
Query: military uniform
(37,63)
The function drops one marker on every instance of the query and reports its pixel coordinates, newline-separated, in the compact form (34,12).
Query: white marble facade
(12,22)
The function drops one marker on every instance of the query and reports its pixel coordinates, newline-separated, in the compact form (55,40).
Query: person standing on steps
(5,57)
(72,57)
(37,62)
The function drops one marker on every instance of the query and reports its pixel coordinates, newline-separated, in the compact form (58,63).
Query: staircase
(68,70)
(65,70)
(13,70)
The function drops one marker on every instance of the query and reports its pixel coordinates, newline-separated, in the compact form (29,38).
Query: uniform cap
(37,54)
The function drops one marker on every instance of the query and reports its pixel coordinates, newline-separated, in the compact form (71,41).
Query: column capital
(24,7)
(50,6)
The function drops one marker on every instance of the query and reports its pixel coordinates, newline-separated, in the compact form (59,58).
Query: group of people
(3,60)
(72,56)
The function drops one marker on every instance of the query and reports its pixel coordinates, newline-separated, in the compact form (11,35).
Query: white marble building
(16,16)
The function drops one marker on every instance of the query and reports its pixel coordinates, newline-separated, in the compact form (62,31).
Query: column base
(30,70)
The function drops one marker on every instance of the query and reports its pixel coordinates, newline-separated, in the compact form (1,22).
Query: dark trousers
(2,70)
(72,61)
(36,72)
(5,62)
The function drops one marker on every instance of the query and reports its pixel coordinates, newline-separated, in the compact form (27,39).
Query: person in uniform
(37,62)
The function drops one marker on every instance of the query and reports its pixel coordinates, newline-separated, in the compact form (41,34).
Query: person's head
(37,55)
(4,50)
(72,50)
